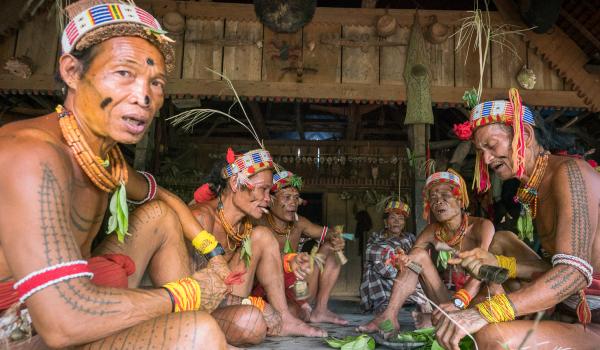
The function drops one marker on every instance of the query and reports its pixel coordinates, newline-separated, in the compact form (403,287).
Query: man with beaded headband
(58,172)
(236,193)
(378,275)
(445,195)
(287,227)
(558,194)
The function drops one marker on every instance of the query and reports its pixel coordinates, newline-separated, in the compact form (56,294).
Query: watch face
(459,303)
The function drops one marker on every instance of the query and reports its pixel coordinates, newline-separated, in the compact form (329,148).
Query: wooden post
(418,135)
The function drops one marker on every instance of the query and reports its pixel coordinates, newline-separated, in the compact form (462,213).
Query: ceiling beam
(299,125)
(555,115)
(581,28)
(354,118)
(339,93)
(259,120)
(575,120)
(568,60)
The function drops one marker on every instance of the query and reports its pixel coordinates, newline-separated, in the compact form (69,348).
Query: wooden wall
(229,39)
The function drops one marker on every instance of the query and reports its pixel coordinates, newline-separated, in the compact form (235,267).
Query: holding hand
(472,260)
(336,241)
(437,315)
(448,334)
(301,266)
(213,288)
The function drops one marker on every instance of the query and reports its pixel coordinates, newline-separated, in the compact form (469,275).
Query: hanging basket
(285,16)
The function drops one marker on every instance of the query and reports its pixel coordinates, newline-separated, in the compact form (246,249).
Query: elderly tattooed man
(57,173)
(454,231)
(560,194)
(287,227)
(236,193)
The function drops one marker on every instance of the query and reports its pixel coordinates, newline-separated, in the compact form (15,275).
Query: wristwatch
(217,251)
(459,303)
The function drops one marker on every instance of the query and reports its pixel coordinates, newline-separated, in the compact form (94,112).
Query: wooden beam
(575,120)
(331,15)
(568,60)
(343,110)
(299,126)
(354,118)
(555,115)
(339,93)
(582,29)
(259,121)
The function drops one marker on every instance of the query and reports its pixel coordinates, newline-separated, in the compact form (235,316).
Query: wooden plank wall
(237,44)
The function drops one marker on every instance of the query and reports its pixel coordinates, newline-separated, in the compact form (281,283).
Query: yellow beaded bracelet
(509,263)
(497,309)
(204,242)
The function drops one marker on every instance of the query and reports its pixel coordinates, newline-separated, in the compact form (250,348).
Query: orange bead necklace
(527,194)
(93,166)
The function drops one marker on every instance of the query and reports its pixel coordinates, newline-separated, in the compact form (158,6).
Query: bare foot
(305,312)
(422,319)
(373,325)
(291,326)
(318,316)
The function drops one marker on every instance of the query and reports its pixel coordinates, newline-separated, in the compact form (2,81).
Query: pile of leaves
(360,342)
(427,336)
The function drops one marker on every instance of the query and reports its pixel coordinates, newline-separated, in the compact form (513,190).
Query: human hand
(212,286)
(399,260)
(219,265)
(472,260)
(437,315)
(448,333)
(300,265)
(337,242)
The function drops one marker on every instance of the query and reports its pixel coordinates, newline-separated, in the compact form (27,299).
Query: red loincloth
(594,288)
(110,270)
(289,278)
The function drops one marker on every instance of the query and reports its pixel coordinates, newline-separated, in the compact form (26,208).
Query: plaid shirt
(378,278)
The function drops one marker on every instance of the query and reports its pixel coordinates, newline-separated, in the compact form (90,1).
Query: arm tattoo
(580,226)
(60,246)
(565,281)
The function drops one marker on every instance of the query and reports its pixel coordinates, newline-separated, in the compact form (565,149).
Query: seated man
(378,275)
(559,194)
(287,227)
(236,193)
(445,195)
(57,173)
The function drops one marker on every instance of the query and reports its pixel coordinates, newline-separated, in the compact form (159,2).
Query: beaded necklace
(527,194)
(287,248)
(442,234)
(236,237)
(280,231)
(93,166)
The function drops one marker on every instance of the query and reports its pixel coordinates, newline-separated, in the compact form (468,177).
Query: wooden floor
(349,309)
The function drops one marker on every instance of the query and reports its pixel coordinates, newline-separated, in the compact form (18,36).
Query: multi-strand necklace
(453,239)
(527,194)
(93,166)
(232,235)
(285,231)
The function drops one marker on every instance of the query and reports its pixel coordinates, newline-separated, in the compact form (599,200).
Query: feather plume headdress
(243,165)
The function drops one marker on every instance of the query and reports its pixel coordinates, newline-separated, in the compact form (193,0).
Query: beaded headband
(285,178)
(397,206)
(105,21)
(451,177)
(247,164)
(508,112)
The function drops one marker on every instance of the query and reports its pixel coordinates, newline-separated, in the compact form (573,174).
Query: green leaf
(525,224)
(246,253)
(442,259)
(386,326)
(360,342)
(287,247)
(436,346)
